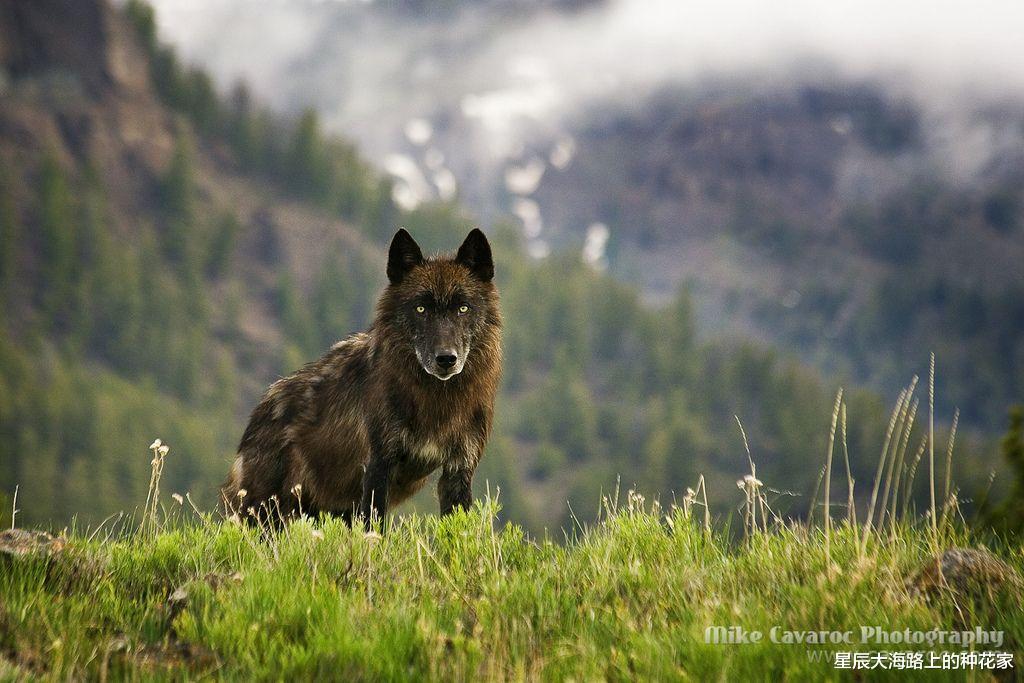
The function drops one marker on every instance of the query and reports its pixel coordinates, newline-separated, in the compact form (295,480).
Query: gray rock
(21,542)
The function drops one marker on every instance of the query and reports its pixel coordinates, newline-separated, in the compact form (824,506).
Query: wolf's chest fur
(429,451)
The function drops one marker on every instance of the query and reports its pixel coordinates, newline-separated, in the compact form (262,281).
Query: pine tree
(222,245)
(177,195)
(670,340)
(308,167)
(243,129)
(10,236)
(90,240)
(57,242)
(203,106)
(143,18)
(117,305)
(1010,515)
(332,302)
(295,317)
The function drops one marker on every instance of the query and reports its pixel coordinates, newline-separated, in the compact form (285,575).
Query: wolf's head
(441,305)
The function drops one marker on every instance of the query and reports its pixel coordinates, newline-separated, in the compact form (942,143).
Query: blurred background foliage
(162,306)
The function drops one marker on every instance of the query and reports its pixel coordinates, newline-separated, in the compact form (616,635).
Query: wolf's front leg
(376,480)
(455,488)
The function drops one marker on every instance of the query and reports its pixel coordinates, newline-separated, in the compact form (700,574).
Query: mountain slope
(832,220)
(849,206)
(165,253)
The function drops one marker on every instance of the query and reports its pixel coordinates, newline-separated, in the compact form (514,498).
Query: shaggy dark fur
(359,430)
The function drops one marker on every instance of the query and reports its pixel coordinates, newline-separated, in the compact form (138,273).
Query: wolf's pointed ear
(475,254)
(403,256)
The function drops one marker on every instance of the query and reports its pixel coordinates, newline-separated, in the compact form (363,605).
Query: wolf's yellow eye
(463,309)
(421,309)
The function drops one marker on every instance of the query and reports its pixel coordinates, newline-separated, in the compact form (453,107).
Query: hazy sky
(946,42)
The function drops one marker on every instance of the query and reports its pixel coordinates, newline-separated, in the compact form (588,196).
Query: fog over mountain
(479,89)
(596,45)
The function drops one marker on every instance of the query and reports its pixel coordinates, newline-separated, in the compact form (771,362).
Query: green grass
(628,598)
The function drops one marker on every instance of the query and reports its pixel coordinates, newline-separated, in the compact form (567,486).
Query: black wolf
(359,430)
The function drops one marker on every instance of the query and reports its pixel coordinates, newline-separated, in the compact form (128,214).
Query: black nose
(446,360)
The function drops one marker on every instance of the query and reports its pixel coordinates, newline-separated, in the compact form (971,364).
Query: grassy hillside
(626,592)
(627,598)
